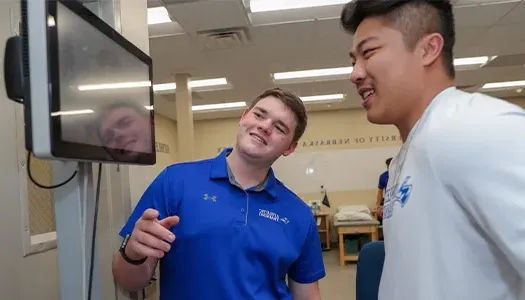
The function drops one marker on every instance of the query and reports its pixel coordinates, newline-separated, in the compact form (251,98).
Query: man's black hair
(388,160)
(413,18)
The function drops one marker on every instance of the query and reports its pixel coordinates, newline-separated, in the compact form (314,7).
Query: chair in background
(369,269)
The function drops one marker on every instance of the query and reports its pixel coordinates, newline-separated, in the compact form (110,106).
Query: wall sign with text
(162,148)
(358,140)
(379,139)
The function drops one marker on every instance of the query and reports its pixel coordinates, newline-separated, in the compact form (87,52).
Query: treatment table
(354,228)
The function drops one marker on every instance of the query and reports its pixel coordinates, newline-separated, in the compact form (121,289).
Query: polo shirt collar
(221,170)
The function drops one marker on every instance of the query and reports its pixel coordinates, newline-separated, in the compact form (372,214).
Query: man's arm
(160,196)
(482,163)
(308,269)
(307,291)
(379,197)
(130,277)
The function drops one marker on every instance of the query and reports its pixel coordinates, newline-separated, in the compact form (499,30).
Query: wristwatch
(122,251)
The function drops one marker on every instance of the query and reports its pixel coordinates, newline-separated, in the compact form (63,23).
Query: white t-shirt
(455,230)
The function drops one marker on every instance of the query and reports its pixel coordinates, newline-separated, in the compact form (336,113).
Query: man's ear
(432,47)
(290,149)
(245,113)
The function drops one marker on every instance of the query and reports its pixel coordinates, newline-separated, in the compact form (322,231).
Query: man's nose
(265,126)
(358,74)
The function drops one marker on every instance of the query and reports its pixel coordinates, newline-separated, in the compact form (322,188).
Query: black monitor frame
(60,149)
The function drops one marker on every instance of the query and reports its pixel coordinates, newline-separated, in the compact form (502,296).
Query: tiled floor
(339,283)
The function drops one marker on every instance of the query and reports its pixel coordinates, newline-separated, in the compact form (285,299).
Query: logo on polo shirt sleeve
(272,216)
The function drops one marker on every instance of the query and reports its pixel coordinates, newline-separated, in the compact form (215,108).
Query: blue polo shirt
(383,181)
(231,243)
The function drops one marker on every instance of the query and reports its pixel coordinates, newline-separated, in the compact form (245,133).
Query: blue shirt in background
(383,181)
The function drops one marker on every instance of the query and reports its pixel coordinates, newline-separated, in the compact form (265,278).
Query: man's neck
(409,120)
(247,174)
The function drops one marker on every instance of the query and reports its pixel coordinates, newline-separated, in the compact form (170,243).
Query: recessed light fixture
(218,106)
(330,72)
(471,63)
(319,98)
(344,72)
(196,84)
(503,85)
(158,15)
(273,5)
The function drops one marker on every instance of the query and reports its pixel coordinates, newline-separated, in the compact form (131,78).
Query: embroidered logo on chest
(272,216)
(207,197)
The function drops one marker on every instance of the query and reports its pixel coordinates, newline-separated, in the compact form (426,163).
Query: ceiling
(308,38)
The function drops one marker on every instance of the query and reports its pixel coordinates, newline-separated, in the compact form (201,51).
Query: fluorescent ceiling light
(208,82)
(148,107)
(193,84)
(72,112)
(323,98)
(158,15)
(341,73)
(164,87)
(312,73)
(218,106)
(503,85)
(480,60)
(273,5)
(110,86)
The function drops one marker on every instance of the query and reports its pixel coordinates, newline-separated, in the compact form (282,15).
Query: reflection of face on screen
(125,131)
(95,73)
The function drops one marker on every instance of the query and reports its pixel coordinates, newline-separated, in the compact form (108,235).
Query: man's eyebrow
(262,110)
(280,122)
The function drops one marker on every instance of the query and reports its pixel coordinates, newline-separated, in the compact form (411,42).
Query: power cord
(47,187)
(92,263)
(95,221)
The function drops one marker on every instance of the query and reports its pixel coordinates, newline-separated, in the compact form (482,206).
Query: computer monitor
(88,92)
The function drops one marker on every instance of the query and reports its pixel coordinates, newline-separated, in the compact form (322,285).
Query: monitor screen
(101,91)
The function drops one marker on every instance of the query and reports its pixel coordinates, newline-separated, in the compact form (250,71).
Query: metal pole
(74,215)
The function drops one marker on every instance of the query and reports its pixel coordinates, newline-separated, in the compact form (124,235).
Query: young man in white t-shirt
(454,211)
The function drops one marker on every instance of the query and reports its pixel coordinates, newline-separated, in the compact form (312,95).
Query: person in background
(383,181)
(226,227)
(454,211)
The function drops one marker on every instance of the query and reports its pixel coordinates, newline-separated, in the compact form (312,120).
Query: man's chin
(375,118)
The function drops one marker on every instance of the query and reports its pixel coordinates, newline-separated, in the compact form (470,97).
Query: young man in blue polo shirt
(381,187)
(226,228)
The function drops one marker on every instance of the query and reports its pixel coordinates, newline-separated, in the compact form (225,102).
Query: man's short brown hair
(293,102)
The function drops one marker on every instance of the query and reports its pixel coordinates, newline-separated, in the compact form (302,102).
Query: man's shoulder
(463,107)
(465,115)
(473,127)
(197,165)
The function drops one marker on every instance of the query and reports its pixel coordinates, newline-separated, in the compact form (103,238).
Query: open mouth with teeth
(367,94)
(258,139)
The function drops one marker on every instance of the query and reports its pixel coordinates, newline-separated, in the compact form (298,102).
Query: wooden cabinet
(323,228)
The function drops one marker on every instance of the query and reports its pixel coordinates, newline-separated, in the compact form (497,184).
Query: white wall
(38,273)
